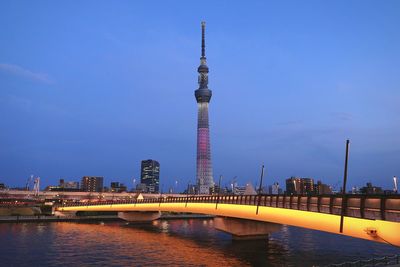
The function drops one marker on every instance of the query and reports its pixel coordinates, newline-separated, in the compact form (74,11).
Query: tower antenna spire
(203,39)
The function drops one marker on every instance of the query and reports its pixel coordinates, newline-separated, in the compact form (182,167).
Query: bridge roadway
(375,218)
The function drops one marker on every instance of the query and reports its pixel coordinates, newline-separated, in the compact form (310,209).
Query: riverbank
(19,211)
(46,218)
(49,218)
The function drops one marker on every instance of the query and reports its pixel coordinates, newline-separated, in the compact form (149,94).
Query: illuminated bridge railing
(381,207)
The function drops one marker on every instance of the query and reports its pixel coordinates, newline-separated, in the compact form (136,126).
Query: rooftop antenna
(203,39)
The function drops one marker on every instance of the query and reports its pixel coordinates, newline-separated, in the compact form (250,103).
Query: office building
(322,189)
(140,188)
(64,186)
(68,184)
(150,175)
(92,184)
(117,187)
(299,186)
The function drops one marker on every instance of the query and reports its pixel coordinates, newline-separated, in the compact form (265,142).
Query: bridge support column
(242,229)
(139,216)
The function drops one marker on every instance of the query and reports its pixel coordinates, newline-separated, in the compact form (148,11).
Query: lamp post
(344,200)
(260,188)
(219,190)
(187,194)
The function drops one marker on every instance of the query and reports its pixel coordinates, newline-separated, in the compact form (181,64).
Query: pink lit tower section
(204,172)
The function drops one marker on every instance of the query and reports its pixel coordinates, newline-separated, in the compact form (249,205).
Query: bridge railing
(383,207)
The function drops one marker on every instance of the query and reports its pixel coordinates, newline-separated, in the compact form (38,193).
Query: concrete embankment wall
(21,211)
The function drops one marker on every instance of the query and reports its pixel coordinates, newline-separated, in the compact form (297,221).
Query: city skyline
(91,92)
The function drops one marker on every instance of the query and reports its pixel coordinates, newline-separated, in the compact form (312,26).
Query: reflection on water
(192,242)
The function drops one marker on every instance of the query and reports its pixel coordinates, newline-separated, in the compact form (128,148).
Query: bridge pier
(139,216)
(64,213)
(242,229)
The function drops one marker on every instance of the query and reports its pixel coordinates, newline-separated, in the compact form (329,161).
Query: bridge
(375,218)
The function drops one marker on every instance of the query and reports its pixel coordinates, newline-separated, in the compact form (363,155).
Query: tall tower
(204,173)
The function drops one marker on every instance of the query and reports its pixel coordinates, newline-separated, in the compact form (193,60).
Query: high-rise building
(204,174)
(293,186)
(299,186)
(92,184)
(322,189)
(150,175)
(307,185)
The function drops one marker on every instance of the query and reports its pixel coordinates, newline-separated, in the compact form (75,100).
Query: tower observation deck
(204,174)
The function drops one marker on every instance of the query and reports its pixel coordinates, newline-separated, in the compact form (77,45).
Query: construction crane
(36,186)
(28,183)
(335,186)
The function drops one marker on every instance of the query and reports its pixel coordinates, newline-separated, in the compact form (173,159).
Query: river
(180,242)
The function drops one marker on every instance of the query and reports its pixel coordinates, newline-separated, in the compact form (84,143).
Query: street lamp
(219,190)
(260,187)
(187,193)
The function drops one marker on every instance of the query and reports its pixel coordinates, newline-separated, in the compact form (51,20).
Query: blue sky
(94,87)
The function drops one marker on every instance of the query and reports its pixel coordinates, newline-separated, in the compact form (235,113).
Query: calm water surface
(191,242)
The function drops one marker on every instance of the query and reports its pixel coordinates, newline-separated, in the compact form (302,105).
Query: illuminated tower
(204,173)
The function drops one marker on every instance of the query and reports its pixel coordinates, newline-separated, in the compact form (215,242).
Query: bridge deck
(374,218)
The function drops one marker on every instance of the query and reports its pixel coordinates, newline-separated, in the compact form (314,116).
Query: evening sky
(94,87)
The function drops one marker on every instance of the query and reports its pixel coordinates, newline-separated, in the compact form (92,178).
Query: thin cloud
(25,73)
